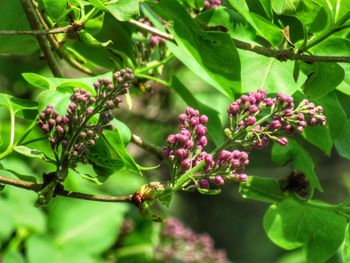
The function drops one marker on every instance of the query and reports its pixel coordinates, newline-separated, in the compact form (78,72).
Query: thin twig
(60,30)
(282,55)
(151,29)
(37,187)
(147,146)
(43,43)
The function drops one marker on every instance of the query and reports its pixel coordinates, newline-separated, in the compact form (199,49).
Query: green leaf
(122,10)
(17,105)
(263,27)
(291,225)
(12,17)
(59,100)
(261,189)
(63,84)
(302,161)
(336,46)
(210,55)
(77,223)
(115,141)
(32,153)
(215,128)
(57,9)
(36,80)
(41,249)
(322,78)
(209,191)
(346,245)
(13,256)
(89,40)
(342,143)
(323,137)
(311,13)
(237,27)
(268,73)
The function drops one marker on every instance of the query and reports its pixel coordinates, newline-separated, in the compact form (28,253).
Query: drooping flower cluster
(179,243)
(74,132)
(255,119)
(211,4)
(185,151)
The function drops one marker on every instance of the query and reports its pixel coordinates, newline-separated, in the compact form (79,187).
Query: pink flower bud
(203,119)
(204,183)
(218,180)
(201,130)
(182,118)
(203,141)
(250,120)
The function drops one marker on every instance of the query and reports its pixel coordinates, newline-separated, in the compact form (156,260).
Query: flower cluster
(75,132)
(179,243)
(185,151)
(252,126)
(211,4)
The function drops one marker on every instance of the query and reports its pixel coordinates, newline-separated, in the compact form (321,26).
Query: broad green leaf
(311,13)
(18,208)
(63,84)
(268,73)
(237,27)
(59,100)
(336,46)
(342,143)
(302,161)
(215,129)
(291,225)
(12,17)
(322,78)
(323,137)
(41,249)
(197,4)
(115,141)
(37,80)
(77,223)
(32,153)
(263,27)
(346,245)
(17,105)
(122,10)
(57,9)
(13,256)
(261,189)
(210,55)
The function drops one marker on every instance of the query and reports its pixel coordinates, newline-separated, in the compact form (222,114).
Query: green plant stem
(160,81)
(154,64)
(147,146)
(9,148)
(61,192)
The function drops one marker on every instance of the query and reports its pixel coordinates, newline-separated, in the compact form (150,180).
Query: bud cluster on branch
(75,132)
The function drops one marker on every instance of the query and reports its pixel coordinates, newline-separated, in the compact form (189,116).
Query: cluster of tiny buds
(211,4)
(185,151)
(179,243)
(74,130)
(284,118)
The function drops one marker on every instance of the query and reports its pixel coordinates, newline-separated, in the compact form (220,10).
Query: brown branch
(147,146)
(43,43)
(281,55)
(60,30)
(61,192)
(284,55)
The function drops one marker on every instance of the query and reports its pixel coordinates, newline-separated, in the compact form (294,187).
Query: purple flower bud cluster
(73,133)
(185,151)
(258,119)
(179,243)
(211,4)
